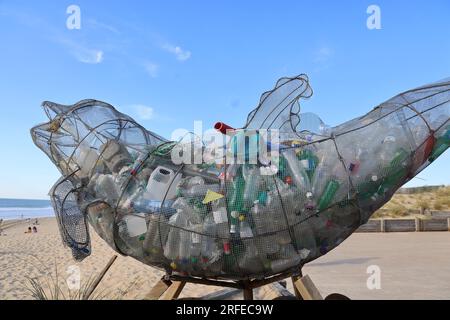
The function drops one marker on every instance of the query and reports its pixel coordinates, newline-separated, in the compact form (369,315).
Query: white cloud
(180,54)
(80,52)
(151,68)
(100,25)
(323,55)
(89,56)
(144,112)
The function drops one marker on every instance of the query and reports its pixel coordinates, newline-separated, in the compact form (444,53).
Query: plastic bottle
(210,251)
(195,249)
(250,260)
(153,206)
(252,185)
(280,265)
(198,191)
(245,231)
(105,188)
(220,218)
(172,246)
(442,143)
(184,249)
(229,261)
(267,243)
(328,195)
(208,239)
(234,223)
(156,236)
(115,155)
(309,161)
(305,239)
(101,216)
(297,171)
(200,209)
(87,160)
(162,184)
(139,162)
(190,182)
(184,208)
(132,229)
(236,201)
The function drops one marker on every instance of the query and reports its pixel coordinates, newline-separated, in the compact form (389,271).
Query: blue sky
(170,63)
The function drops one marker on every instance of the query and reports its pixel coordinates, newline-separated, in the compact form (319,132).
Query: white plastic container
(160,181)
(87,160)
(134,226)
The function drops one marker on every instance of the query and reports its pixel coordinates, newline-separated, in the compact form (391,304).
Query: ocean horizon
(25,208)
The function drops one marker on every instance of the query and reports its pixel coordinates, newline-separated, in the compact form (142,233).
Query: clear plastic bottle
(171,248)
(252,185)
(186,209)
(266,243)
(297,171)
(132,230)
(210,250)
(198,191)
(250,261)
(105,188)
(153,206)
(115,155)
(156,237)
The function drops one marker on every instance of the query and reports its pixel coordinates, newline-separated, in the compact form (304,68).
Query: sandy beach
(39,255)
(413,266)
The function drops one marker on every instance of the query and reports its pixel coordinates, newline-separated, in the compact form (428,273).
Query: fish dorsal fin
(280,108)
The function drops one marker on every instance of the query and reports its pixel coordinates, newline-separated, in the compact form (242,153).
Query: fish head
(78,133)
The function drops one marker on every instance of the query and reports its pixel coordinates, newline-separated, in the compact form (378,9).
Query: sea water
(25,208)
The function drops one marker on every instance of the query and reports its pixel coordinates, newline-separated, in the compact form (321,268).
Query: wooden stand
(170,287)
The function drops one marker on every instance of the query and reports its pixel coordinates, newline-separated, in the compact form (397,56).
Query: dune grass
(403,205)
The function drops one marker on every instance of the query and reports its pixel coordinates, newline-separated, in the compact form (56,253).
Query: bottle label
(246,232)
(220,216)
(196,238)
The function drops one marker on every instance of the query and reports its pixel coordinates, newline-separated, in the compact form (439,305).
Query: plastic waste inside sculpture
(226,220)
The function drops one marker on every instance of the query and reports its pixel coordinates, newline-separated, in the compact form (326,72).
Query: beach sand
(41,254)
(412,265)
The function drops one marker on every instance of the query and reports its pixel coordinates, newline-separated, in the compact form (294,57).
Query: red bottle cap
(288,180)
(222,127)
(226,248)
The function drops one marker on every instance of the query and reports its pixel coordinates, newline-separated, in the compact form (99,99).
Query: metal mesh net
(239,212)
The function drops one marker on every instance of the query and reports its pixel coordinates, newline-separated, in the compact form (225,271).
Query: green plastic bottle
(442,144)
(309,161)
(399,157)
(369,188)
(328,194)
(236,201)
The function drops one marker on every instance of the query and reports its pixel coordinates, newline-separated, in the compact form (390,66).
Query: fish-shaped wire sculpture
(239,213)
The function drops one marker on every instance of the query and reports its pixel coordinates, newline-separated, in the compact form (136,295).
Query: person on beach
(34,229)
(1,230)
(29,230)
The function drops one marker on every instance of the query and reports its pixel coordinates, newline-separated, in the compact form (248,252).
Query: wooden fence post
(418,226)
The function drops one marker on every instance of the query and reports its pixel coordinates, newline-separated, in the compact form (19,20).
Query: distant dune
(408,202)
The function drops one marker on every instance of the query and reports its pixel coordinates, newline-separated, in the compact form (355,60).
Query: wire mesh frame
(80,249)
(333,138)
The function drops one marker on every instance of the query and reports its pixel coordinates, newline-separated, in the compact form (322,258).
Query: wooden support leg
(296,292)
(307,289)
(247,290)
(158,290)
(174,291)
(248,294)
